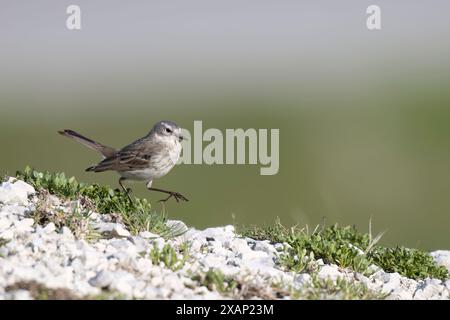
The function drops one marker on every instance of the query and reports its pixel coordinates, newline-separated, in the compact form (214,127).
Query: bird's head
(167,129)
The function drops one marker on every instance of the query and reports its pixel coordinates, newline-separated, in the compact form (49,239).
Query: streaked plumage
(150,157)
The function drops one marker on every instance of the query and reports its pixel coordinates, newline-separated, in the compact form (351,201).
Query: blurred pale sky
(196,46)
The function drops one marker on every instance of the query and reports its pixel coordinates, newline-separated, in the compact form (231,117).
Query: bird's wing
(135,156)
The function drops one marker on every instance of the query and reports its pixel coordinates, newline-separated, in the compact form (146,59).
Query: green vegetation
(108,295)
(136,215)
(3,242)
(39,291)
(340,289)
(169,256)
(347,248)
(411,263)
(77,220)
(215,280)
(343,246)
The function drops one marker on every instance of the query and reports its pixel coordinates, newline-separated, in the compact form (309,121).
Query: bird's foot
(176,195)
(127,192)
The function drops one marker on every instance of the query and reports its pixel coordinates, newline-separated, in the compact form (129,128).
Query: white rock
(54,200)
(238,246)
(148,235)
(221,234)
(24,186)
(447,284)
(49,228)
(320,263)
(442,258)
(431,289)
(391,281)
(143,265)
(58,260)
(102,279)
(4,223)
(141,244)
(120,231)
(265,246)
(111,229)
(400,294)
(90,257)
(15,211)
(330,272)
(123,245)
(15,191)
(20,295)
(302,279)
(7,234)
(94,215)
(396,286)
(279,246)
(373,268)
(24,225)
(37,244)
(66,232)
(251,255)
(213,261)
(123,282)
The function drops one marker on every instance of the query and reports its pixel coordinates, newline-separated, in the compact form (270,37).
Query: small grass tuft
(215,280)
(169,256)
(3,242)
(341,289)
(108,295)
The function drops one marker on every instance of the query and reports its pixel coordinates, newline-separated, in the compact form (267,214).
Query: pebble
(103,279)
(442,258)
(24,225)
(49,228)
(15,192)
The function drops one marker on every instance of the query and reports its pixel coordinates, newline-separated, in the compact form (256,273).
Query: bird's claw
(176,195)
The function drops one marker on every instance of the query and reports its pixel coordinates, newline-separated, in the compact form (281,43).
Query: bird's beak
(181,138)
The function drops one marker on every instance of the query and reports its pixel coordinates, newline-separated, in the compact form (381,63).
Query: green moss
(347,248)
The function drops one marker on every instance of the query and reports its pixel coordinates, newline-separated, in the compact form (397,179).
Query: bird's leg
(176,195)
(127,191)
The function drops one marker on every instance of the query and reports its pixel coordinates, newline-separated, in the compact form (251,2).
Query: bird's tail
(104,150)
(91,168)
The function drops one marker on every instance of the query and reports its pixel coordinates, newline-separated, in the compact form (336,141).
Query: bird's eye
(168,130)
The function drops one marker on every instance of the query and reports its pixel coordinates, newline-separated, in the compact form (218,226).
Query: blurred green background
(363,116)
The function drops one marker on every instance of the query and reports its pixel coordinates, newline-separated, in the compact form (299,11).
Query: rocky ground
(98,258)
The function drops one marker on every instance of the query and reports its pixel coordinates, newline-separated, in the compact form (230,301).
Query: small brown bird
(145,159)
